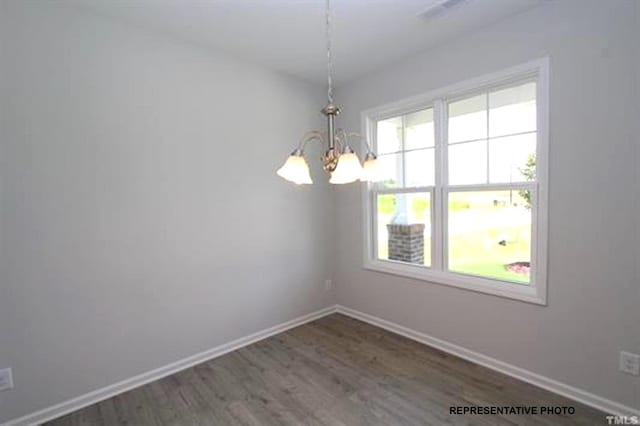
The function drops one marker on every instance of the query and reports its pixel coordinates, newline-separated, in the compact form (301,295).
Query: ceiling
(288,35)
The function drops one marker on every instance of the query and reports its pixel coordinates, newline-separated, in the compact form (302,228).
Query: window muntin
(406,150)
(498,126)
(467,119)
(488,143)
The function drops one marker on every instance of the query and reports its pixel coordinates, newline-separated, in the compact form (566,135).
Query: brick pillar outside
(406,242)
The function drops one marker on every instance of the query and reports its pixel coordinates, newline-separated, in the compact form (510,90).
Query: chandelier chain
(329,56)
(339,159)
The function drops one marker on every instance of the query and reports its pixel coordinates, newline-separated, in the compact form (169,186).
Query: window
(463,197)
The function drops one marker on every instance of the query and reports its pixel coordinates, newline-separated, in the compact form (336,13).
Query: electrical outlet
(328,285)
(630,363)
(6,379)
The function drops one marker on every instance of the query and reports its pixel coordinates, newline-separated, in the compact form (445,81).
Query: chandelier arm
(345,139)
(366,142)
(308,137)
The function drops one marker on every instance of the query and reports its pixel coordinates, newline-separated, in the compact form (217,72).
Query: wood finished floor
(333,371)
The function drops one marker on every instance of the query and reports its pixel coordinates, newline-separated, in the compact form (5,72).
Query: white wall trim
(535,379)
(98,395)
(579,395)
(537,70)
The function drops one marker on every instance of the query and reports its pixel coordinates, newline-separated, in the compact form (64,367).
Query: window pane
(468,119)
(512,158)
(490,234)
(512,110)
(419,166)
(389,135)
(391,170)
(404,228)
(418,130)
(468,163)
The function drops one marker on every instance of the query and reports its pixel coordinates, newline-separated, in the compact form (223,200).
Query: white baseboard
(587,398)
(98,395)
(579,395)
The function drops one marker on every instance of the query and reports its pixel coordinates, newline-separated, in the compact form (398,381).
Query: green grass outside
(472,258)
(475,252)
(468,253)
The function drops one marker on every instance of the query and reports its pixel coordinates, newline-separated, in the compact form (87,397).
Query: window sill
(525,293)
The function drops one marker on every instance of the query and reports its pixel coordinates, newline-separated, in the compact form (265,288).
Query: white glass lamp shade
(295,169)
(372,169)
(348,169)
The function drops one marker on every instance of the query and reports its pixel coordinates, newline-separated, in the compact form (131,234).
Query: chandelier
(339,159)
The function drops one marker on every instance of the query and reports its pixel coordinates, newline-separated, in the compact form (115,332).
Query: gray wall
(130,237)
(141,217)
(593,290)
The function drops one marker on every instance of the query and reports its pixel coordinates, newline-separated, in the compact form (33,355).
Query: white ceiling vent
(440,8)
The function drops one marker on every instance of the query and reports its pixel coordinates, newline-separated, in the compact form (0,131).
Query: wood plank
(333,371)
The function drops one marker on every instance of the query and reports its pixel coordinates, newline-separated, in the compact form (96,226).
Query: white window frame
(536,291)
